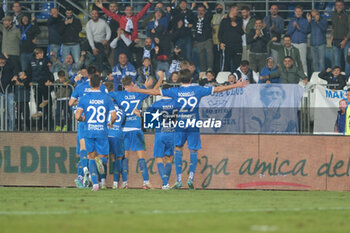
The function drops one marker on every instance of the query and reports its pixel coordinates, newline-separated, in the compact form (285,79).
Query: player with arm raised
(133,136)
(93,109)
(187,97)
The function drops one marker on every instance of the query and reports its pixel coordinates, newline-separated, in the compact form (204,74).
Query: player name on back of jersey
(130,97)
(96,101)
(186,94)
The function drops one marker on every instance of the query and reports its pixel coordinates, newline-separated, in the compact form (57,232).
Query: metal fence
(37,108)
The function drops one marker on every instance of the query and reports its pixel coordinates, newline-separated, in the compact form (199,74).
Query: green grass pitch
(66,210)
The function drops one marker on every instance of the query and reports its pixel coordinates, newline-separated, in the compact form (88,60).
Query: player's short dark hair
(95,81)
(61,73)
(273,4)
(91,69)
(126,81)
(109,86)
(185,76)
(68,8)
(244,63)
(247,8)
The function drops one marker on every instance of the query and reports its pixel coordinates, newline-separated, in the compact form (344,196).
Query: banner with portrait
(257,108)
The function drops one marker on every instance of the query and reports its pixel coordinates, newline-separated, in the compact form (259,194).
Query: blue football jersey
(84,88)
(187,98)
(128,101)
(117,130)
(79,91)
(168,111)
(96,108)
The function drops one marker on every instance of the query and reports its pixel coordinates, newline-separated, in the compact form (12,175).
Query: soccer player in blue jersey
(187,97)
(93,109)
(163,148)
(132,132)
(79,91)
(116,140)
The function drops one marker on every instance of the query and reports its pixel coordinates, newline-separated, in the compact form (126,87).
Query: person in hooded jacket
(29,32)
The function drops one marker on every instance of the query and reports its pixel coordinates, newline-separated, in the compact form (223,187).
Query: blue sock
(178,165)
(117,170)
(93,171)
(193,164)
(143,169)
(83,158)
(80,169)
(168,167)
(125,170)
(162,174)
(104,162)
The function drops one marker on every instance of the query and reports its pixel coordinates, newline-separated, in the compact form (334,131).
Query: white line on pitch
(63,212)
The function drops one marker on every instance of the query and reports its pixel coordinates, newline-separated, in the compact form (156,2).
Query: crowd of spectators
(205,38)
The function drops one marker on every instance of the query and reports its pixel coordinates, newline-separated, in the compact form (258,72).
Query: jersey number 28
(98,114)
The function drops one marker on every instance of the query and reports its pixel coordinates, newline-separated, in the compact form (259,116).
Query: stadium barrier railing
(29,109)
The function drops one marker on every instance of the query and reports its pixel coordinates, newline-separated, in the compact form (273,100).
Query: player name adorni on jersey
(96,102)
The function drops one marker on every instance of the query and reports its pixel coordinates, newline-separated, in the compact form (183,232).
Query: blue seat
(45,10)
(328,10)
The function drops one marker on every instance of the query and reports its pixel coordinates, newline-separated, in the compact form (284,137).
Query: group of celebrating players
(110,124)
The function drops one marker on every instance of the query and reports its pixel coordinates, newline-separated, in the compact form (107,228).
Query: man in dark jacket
(17,13)
(55,39)
(230,37)
(182,13)
(145,51)
(29,32)
(70,28)
(114,25)
(258,39)
(6,76)
(203,37)
(39,73)
(334,77)
(22,97)
(340,35)
(318,41)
